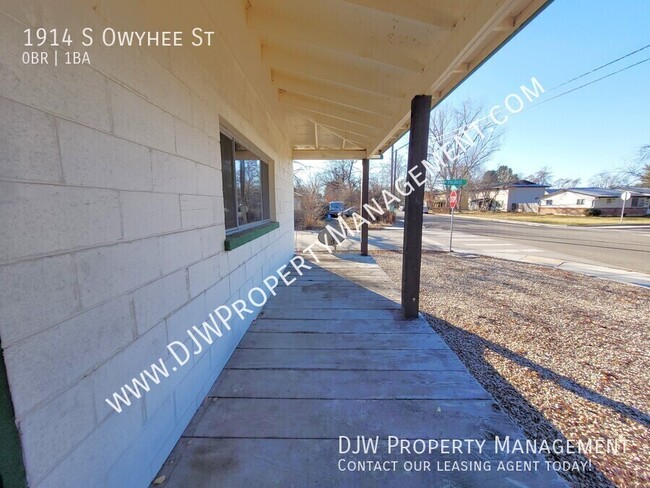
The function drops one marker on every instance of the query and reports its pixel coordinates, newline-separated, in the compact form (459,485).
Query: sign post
(453,201)
(625,196)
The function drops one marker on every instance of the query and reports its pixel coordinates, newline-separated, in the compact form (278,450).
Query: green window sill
(237,239)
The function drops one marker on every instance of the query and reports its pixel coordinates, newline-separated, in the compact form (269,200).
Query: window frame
(265,184)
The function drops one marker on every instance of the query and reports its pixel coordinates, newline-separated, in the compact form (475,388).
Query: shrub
(593,212)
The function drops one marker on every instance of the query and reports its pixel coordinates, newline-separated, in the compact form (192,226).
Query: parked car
(349,211)
(336,208)
(425,208)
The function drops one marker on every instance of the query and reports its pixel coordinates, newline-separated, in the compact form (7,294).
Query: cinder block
(219,212)
(204,274)
(212,240)
(238,278)
(55,359)
(218,295)
(133,468)
(90,461)
(179,250)
(137,119)
(109,271)
(46,442)
(172,174)
(125,365)
(147,214)
(35,295)
(144,72)
(187,392)
(28,142)
(209,181)
(214,145)
(45,219)
(191,143)
(154,301)
(93,158)
(74,92)
(239,256)
(197,211)
(193,313)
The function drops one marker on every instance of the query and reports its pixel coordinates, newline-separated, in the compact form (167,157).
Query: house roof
(604,192)
(636,190)
(516,184)
(345,71)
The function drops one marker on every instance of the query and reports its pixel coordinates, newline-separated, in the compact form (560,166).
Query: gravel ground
(565,355)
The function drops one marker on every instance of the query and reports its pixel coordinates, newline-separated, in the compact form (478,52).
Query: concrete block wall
(112,241)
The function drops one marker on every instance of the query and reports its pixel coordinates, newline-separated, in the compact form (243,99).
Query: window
(580,201)
(245,186)
(548,202)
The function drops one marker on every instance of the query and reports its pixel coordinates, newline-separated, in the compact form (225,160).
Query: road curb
(633,278)
(539,224)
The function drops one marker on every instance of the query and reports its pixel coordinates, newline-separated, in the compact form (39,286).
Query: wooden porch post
(365,177)
(412,255)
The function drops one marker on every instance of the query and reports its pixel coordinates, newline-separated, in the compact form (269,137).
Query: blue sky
(596,128)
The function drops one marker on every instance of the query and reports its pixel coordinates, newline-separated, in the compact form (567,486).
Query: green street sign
(455,182)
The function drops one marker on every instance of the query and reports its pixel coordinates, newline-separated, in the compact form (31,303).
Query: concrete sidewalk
(331,356)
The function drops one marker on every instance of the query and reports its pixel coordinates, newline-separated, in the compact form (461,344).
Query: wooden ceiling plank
(360,100)
(354,43)
(432,13)
(355,75)
(333,110)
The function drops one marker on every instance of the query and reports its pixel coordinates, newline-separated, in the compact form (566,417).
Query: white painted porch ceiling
(345,71)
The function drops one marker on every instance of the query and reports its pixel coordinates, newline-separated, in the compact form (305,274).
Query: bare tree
(461,142)
(310,204)
(543,176)
(503,174)
(635,172)
(609,179)
(562,183)
(341,181)
(638,171)
(644,159)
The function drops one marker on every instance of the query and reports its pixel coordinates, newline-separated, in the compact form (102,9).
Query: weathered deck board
(350,385)
(331,356)
(277,340)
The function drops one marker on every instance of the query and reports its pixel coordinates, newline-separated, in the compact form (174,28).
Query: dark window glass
(228,178)
(245,183)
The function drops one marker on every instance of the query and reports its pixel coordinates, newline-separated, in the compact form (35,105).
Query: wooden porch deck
(331,356)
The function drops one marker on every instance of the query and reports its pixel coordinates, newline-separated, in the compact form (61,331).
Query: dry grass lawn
(565,355)
(558,219)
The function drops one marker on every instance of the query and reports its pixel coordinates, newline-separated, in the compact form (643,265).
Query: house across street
(574,201)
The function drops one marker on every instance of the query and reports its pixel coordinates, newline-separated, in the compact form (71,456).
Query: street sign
(625,196)
(457,182)
(453,199)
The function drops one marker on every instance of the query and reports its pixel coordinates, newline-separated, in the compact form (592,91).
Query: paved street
(625,248)
(622,254)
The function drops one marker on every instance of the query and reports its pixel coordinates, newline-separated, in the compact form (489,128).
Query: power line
(601,67)
(587,84)
(454,132)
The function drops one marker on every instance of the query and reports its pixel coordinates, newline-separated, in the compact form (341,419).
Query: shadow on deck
(331,356)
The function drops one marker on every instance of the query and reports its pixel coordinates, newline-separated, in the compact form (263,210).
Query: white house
(574,201)
(516,196)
